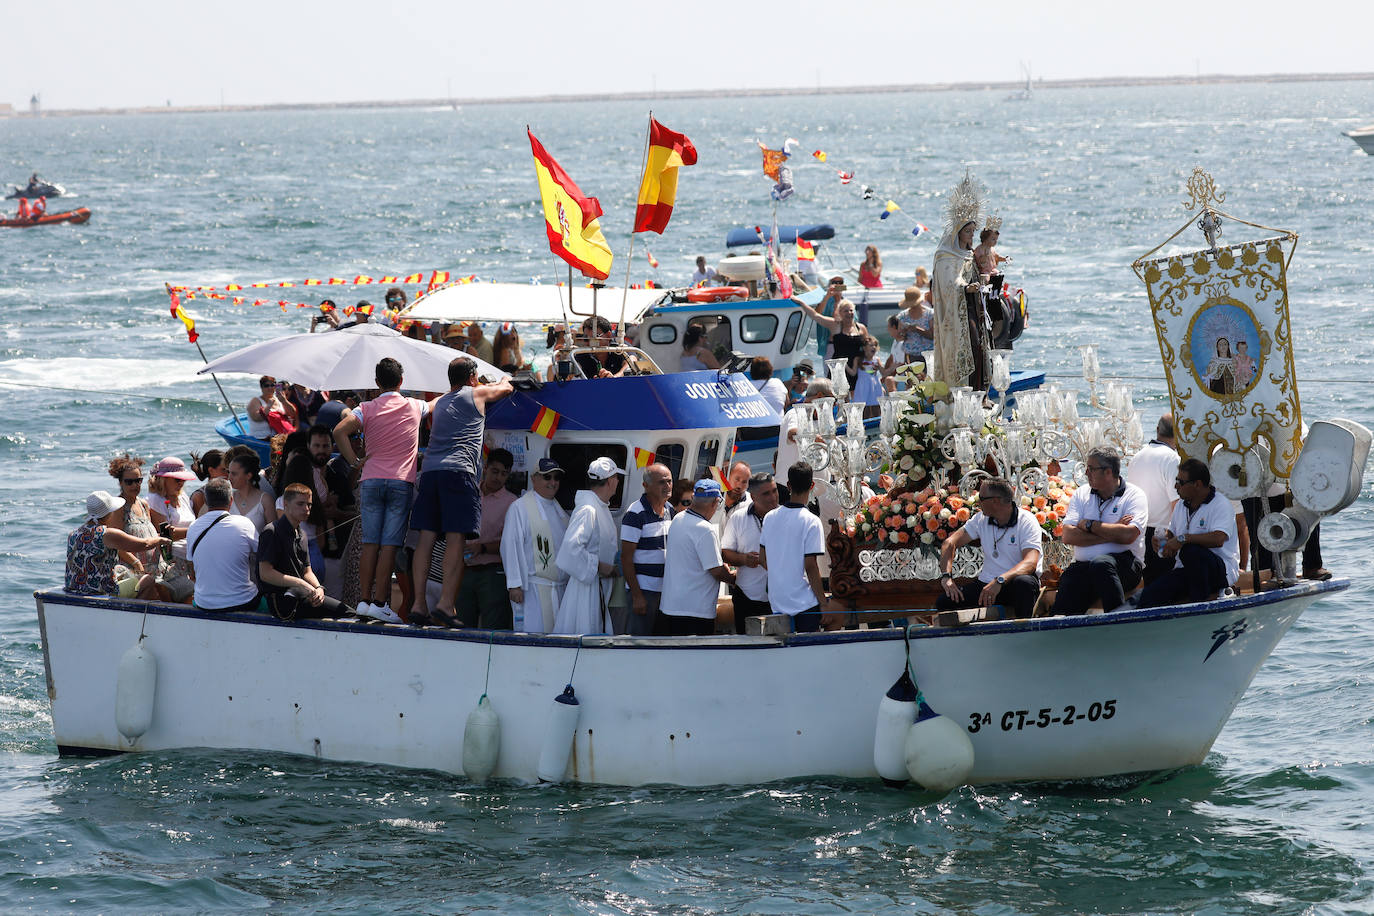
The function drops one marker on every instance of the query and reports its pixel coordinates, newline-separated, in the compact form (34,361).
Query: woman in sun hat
(172,514)
(93,549)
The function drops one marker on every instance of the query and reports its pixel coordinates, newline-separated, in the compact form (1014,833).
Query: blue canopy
(682,400)
(749,235)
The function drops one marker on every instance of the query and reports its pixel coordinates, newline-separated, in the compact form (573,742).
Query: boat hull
(1045,699)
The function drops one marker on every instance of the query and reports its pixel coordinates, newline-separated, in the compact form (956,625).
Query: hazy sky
(89,54)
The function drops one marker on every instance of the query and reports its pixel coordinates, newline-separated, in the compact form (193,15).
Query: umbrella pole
(232,412)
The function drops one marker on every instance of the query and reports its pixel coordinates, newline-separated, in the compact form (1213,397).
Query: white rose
(906,463)
(893,537)
(867,528)
(918,471)
(911,442)
(944,514)
(927,538)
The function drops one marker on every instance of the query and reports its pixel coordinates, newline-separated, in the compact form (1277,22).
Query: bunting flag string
(431,279)
(867,192)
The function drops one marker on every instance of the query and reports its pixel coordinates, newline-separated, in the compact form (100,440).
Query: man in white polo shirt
(1201,540)
(1105,526)
(1010,538)
(693,568)
(740,548)
(790,547)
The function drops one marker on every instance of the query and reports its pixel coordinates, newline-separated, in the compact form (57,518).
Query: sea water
(1275,820)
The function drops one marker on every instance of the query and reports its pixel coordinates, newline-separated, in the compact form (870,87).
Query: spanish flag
(643,457)
(718,476)
(570,217)
(545,423)
(179,314)
(657,193)
(805,250)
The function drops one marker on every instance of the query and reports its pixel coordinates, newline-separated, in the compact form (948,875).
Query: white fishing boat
(939,699)
(1056,698)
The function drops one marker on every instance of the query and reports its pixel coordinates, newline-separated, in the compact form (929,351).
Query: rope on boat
(491,639)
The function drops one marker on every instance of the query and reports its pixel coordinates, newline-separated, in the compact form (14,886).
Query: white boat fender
(939,755)
(558,736)
(134,689)
(481,741)
(896,713)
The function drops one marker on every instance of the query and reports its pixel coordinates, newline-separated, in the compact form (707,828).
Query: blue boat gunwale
(602,641)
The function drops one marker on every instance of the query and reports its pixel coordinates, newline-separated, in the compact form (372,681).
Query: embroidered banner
(1225,337)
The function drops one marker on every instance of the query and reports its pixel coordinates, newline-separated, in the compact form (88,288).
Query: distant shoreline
(1004,86)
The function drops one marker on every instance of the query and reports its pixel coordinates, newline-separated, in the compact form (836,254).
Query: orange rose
(903,537)
(932,524)
(1061,510)
(1039,502)
(1059,531)
(956,503)
(961,515)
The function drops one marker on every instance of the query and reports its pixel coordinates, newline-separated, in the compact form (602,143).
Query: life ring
(717,293)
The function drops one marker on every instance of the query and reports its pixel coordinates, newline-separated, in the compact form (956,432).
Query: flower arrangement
(924,520)
(1050,507)
(921,520)
(916,456)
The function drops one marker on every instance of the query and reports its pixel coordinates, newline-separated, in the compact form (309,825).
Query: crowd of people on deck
(350,521)
(377,532)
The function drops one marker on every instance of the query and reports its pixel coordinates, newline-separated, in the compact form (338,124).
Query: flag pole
(232,412)
(629,258)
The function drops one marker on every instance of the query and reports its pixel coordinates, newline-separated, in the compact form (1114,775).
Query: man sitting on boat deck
(532,536)
(1201,540)
(1105,526)
(790,546)
(694,569)
(220,547)
(1012,560)
(292,589)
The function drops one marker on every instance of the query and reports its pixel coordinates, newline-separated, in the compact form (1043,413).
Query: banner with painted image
(1221,316)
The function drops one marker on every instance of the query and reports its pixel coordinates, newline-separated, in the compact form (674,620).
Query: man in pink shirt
(390,425)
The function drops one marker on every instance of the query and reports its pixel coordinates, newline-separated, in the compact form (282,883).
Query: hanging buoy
(134,688)
(939,755)
(481,741)
(558,736)
(896,713)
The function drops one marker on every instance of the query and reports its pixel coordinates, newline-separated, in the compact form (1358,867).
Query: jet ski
(36,189)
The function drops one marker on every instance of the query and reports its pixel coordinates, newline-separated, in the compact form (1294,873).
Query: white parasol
(347,358)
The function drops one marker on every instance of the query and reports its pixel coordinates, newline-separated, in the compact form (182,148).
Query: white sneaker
(367,610)
(385,614)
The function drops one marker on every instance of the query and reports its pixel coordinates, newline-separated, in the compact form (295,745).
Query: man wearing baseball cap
(588,554)
(694,569)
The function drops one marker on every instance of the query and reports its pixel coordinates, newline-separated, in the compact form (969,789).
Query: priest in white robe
(535,527)
(588,554)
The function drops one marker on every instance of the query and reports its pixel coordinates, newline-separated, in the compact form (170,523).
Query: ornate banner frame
(1225,338)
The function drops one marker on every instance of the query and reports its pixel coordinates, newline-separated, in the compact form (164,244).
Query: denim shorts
(385,511)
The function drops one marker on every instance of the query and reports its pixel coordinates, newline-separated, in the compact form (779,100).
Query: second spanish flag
(668,149)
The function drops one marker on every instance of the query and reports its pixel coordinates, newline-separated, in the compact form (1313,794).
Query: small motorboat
(79,215)
(36,189)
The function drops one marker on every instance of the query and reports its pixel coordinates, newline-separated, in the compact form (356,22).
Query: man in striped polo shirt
(643,537)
